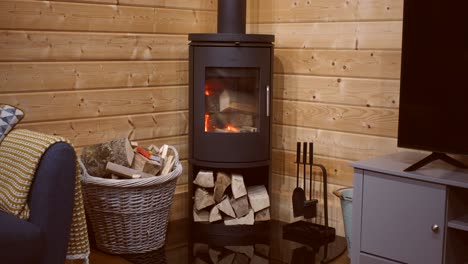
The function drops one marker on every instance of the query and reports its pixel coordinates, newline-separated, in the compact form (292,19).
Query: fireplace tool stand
(306,232)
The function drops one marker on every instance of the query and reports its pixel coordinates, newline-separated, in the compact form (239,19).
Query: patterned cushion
(9,117)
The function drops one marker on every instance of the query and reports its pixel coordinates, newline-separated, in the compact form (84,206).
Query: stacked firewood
(122,159)
(253,254)
(226,198)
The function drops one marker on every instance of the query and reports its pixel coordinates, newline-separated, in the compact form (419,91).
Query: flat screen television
(433,112)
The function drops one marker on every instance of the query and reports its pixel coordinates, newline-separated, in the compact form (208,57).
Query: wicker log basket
(130,216)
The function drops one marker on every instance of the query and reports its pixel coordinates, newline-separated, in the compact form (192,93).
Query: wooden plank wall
(95,70)
(336,83)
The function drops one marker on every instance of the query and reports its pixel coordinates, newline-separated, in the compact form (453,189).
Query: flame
(207,93)
(207,117)
(232,128)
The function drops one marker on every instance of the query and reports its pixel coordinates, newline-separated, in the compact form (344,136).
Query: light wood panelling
(337,90)
(350,63)
(339,171)
(47,46)
(364,120)
(340,35)
(182,4)
(45,15)
(297,11)
(83,132)
(49,76)
(348,146)
(98,103)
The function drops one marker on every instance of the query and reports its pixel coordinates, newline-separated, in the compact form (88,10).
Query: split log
(262,250)
(153,149)
(246,220)
(227,259)
(200,216)
(134,144)
(223,181)
(230,100)
(241,259)
(246,250)
(200,249)
(258,197)
(256,259)
(205,179)
(214,255)
(163,151)
(236,119)
(225,207)
(145,165)
(238,186)
(203,199)
(240,206)
(248,129)
(168,164)
(95,157)
(124,172)
(215,215)
(115,177)
(262,215)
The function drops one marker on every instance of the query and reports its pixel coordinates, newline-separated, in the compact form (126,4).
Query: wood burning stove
(230,99)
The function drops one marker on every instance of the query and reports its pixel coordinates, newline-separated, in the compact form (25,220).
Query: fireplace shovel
(298,197)
(310,206)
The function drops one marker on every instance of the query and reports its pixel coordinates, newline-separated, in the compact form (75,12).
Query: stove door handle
(268,100)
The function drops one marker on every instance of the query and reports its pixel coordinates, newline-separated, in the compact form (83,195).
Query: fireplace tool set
(307,232)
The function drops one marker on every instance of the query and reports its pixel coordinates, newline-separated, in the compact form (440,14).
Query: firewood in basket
(246,220)
(163,151)
(258,197)
(134,144)
(203,199)
(238,186)
(240,206)
(246,250)
(124,172)
(145,165)
(204,179)
(153,149)
(215,215)
(95,157)
(262,215)
(225,207)
(201,216)
(223,181)
(168,164)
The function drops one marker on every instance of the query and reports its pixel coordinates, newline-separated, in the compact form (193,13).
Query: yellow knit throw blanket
(20,153)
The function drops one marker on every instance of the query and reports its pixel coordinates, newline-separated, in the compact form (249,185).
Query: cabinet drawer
(368,259)
(398,216)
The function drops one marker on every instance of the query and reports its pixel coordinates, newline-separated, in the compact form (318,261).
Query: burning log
(231,100)
(203,199)
(262,215)
(246,220)
(205,179)
(225,207)
(95,157)
(240,206)
(238,186)
(258,197)
(223,181)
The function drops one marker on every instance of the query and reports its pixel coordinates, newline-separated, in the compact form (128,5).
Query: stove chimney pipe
(232,16)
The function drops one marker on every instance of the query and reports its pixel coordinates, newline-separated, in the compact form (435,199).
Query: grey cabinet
(401,217)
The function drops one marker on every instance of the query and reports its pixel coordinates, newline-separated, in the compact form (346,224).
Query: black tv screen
(433,112)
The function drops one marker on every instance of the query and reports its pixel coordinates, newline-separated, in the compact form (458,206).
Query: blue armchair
(44,237)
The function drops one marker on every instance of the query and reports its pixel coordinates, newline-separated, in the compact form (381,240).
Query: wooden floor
(98,257)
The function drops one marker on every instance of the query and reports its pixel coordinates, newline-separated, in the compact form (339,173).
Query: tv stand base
(433,157)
